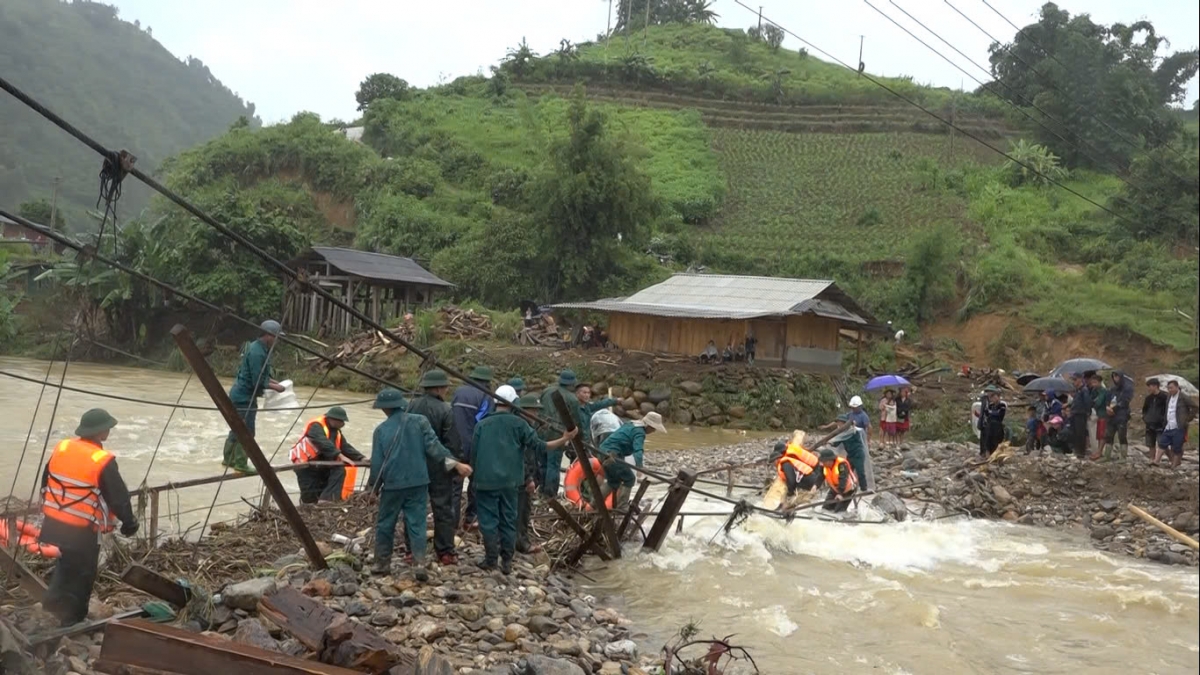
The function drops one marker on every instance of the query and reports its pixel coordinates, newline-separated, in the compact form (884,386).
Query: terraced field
(860,196)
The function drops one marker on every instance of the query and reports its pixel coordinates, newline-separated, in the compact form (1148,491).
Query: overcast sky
(292,55)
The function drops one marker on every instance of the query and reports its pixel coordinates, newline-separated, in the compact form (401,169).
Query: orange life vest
(832,476)
(799,457)
(72,493)
(305,450)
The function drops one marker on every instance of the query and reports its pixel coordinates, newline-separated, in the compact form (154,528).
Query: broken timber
(212,385)
(84,628)
(567,518)
(153,647)
(676,496)
(152,583)
(585,463)
(30,582)
(634,505)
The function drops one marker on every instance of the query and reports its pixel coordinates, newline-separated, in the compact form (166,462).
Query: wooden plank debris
(676,496)
(191,353)
(148,581)
(567,518)
(1172,532)
(144,645)
(85,627)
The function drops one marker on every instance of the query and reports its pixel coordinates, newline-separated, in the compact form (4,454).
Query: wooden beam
(567,518)
(152,583)
(1172,532)
(633,506)
(183,338)
(676,496)
(585,462)
(146,645)
(30,582)
(85,627)
(584,545)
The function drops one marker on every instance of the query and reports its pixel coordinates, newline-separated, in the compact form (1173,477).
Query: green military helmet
(517,383)
(482,374)
(95,421)
(828,455)
(434,379)
(567,378)
(390,399)
(529,402)
(337,412)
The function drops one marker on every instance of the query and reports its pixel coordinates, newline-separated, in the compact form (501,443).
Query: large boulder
(544,665)
(245,596)
(640,397)
(691,387)
(890,505)
(682,417)
(252,633)
(659,394)
(646,407)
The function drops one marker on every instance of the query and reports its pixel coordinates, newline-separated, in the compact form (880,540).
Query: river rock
(318,588)
(385,618)
(621,649)
(428,630)
(1101,532)
(682,417)
(469,613)
(629,403)
(543,625)
(345,590)
(251,632)
(1001,494)
(646,407)
(890,505)
(357,608)
(737,411)
(658,395)
(640,397)
(544,665)
(691,387)
(245,595)
(663,407)
(514,632)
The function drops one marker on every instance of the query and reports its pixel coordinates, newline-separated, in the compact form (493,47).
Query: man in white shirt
(1180,412)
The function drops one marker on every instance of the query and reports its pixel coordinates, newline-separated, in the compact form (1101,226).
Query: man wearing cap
(83,496)
(1081,412)
(433,407)
(841,479)
(991,421)
(470,404)
(253,377)
(850,437)
(628,441)
(401,448)
(860,418)
(323,441)
(502,442)
(566,386)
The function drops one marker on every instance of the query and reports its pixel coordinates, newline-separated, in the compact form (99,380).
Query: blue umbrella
(884,381)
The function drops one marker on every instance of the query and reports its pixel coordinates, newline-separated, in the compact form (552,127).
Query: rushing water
(192,442)
(943,597)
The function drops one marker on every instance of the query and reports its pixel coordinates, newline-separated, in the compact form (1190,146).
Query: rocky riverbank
(1044,491)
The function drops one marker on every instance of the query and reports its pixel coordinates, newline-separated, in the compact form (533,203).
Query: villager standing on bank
(432,406)
(1099,423)
(888,418)
(252,379)
(904,409)
(470,404)
(501,441)
(83,496)
(1120,398)
(991,422)
(323,441)
(1180,413)
(1081,412)
(401,448)
(1154,413)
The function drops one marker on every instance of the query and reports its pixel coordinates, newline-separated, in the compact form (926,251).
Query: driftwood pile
(464,324)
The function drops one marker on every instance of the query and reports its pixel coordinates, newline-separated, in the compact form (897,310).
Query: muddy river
(939,597)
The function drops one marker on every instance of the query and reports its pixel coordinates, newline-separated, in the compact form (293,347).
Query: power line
(1116,169)
(950,124)
(1050,83)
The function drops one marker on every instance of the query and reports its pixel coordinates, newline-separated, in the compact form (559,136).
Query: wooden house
(381,286)
(796,322)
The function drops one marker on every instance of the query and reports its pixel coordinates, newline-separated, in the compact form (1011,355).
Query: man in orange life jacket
(840,478)
(323,442)
(797,467)
(83,496)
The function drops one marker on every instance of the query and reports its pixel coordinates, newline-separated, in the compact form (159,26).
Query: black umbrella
(1025,378)
(1048,384)
(1078,366)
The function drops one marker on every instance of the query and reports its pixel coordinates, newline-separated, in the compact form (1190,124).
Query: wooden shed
(796,322)
(381,286)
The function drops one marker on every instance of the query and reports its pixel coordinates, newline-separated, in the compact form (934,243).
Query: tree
(1032,164)
(519,59)
(929,270)
(1167,202)
(39,211)
(1095,79)
(631,14)
(592,198)
(379,86)
(773,35)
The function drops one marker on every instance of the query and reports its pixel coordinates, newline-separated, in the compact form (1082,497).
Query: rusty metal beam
(676,496)
(585,462)
(144,645)
(187,346)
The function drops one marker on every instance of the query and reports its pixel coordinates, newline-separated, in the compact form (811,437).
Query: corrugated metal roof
(378,266)
(722,296)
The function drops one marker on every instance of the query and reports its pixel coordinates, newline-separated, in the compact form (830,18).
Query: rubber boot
(382,567)
(622,498)
(491,552)
(506,566)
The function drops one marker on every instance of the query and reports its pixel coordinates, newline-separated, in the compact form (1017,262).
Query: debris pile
(541,331)
(464,324)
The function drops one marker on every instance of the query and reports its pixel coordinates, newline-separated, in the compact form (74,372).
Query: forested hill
(111,79)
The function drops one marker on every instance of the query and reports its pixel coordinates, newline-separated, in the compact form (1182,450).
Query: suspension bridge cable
(288,434)
(952,125)
(166,426)
(33,420)
(1049,83)
(160,404)
(224,310)
(986,86)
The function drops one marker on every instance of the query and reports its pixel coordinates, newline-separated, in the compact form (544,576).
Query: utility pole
(760,19)
(646,28)
(54,205)
(861,65)
(628,12)
(608,33)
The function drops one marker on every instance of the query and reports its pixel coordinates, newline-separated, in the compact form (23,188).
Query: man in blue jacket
(400,448)
(470,404)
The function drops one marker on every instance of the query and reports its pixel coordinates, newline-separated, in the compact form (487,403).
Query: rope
(157,364)
(288,434)
(163,435)
(33,420)
(182,406)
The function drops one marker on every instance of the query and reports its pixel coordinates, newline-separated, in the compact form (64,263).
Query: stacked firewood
(464,324)
(541,331)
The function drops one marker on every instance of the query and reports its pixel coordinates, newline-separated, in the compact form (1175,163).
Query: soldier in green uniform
(518,385)
(535,473)
(323,441)
(566,386)
(501,442)
(589,407)
(400,448)
(847,435)
(433,406)
(628,441)
(253,377)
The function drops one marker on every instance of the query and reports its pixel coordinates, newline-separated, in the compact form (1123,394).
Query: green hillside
(526,185)
(111,79)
